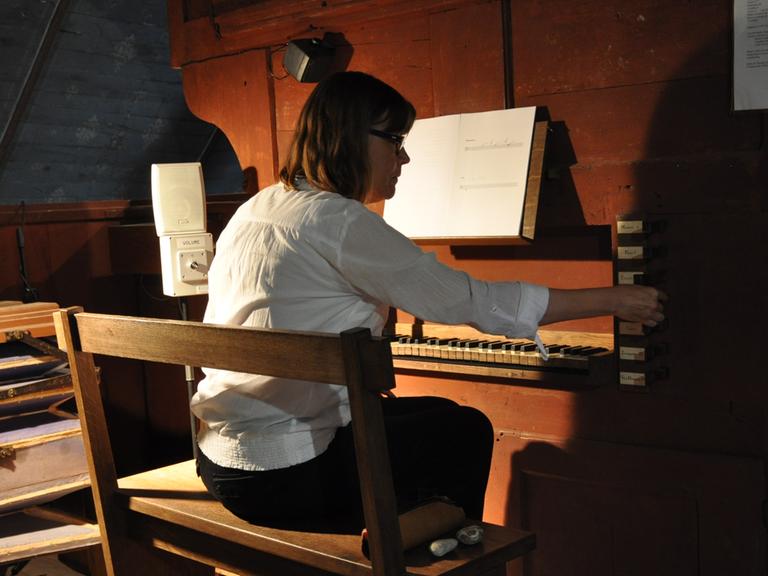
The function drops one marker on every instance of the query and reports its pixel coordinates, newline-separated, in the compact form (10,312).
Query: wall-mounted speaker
(308,59)
(178,198)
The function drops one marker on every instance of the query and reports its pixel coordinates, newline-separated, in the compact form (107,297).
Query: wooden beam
(273,22)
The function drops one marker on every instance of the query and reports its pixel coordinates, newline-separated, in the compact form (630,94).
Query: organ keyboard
(576,359)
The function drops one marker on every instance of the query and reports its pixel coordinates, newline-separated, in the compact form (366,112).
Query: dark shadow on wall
(642,476)
(561,229)
(221,169)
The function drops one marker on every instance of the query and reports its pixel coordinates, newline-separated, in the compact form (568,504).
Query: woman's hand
(628,302)
(639,304)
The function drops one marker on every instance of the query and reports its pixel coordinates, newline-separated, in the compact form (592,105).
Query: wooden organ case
(667,479)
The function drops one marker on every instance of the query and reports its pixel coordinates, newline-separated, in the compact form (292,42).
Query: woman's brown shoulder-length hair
(330,144)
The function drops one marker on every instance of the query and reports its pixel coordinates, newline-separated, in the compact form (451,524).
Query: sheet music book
(467,176)
(27,366)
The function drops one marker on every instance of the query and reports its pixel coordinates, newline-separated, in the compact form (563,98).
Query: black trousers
(437,448)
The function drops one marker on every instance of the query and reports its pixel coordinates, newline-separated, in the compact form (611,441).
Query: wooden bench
(169,509)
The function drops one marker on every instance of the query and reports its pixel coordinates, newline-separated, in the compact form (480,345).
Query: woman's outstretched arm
(632,303)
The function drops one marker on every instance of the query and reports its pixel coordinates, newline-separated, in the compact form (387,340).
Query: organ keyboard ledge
(577,360)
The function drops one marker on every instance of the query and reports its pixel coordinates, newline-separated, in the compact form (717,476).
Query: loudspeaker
(178,198)
(308,59)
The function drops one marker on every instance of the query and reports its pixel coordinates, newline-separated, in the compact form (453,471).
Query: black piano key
(590,350)
(573,350)
(446,347)
(511,352)
(530,354)
(467,349)
(455,351)
(433,348)
(554,348)
(485,350)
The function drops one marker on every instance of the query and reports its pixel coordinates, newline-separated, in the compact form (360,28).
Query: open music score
(466,163)
(577,360)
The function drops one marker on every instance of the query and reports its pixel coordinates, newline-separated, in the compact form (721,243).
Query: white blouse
(316,261)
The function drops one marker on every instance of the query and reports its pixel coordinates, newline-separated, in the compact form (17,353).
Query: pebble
(470,534)
(443,546)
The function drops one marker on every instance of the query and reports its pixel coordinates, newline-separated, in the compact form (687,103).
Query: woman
(307,254)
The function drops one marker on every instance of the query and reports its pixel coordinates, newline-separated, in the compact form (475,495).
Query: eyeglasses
(397,139)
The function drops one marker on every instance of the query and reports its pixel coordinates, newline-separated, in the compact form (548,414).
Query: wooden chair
(169,508)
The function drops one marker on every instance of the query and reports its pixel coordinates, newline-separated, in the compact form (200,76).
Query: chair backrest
(353,359)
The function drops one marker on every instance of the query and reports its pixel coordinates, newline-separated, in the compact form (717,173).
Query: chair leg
(162,563)
(497,571)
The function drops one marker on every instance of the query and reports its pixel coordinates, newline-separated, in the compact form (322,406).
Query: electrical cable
(30,294)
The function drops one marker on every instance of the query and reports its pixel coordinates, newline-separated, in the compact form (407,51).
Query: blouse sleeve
(382,263)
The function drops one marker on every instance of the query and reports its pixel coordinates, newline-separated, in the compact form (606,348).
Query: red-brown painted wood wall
(671,481)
